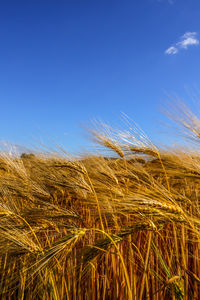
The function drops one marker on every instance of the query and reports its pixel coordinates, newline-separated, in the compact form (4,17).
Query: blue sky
(64,63)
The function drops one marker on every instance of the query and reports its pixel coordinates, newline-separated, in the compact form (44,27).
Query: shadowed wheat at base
(118,226)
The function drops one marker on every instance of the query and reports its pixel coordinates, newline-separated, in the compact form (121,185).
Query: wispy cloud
(171,50)
(186,40)
(189,38)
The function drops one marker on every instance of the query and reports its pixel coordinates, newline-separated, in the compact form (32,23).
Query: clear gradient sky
(63,63)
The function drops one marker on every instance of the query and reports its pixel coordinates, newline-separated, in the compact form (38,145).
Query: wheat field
(121,225)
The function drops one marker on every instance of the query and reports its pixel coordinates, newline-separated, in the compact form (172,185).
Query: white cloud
(171,50)
(188,39)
